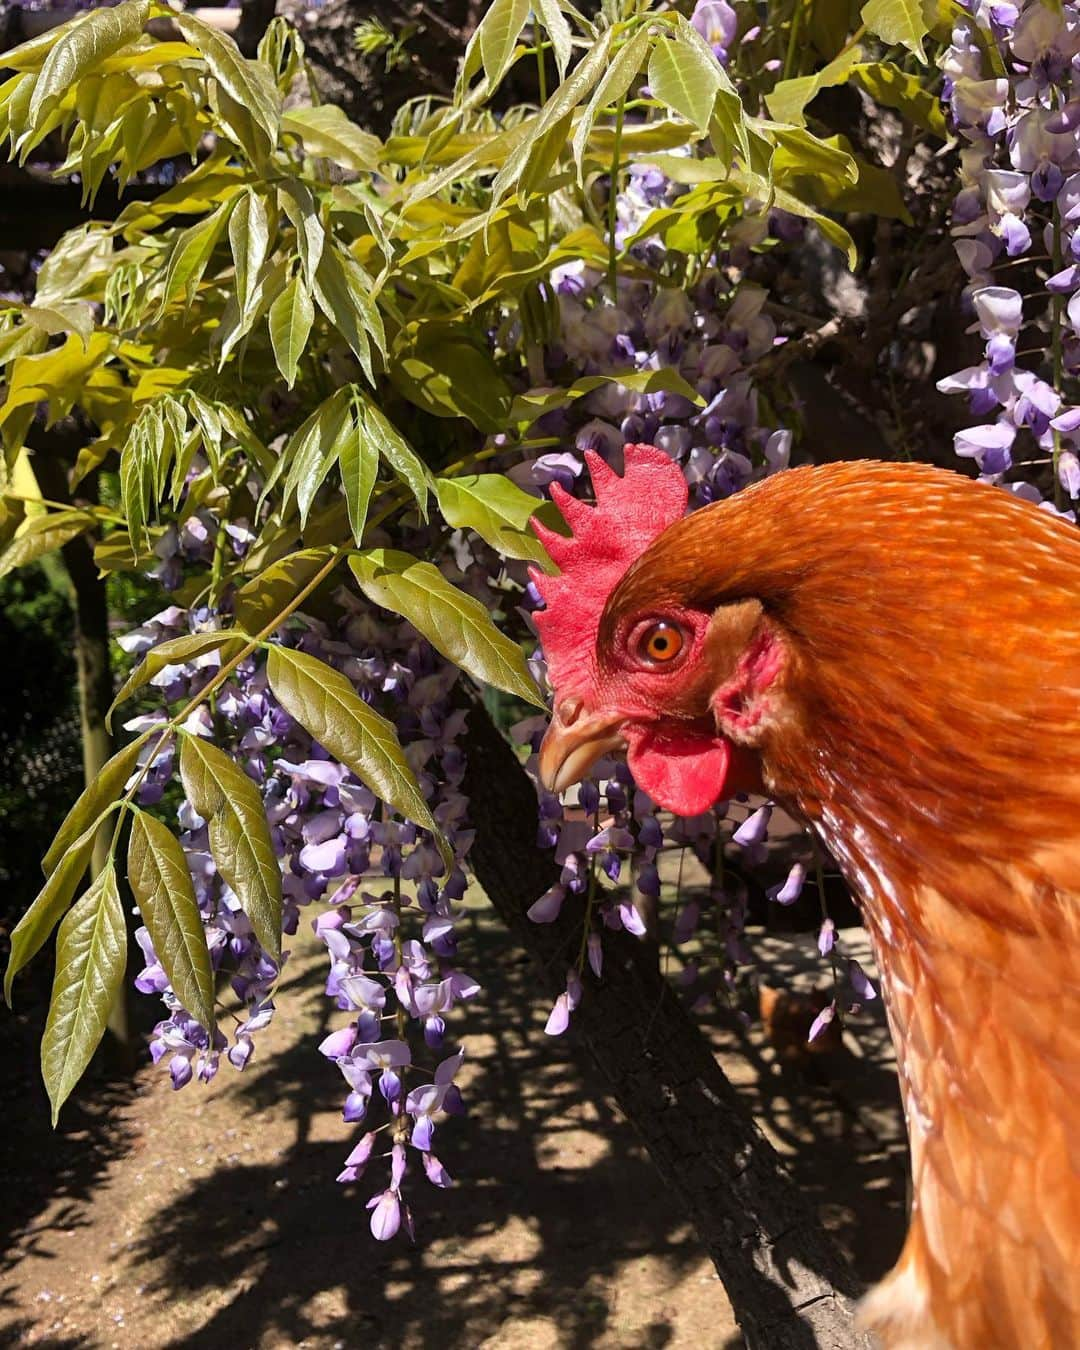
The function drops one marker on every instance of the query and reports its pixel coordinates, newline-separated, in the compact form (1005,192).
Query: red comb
(630,512)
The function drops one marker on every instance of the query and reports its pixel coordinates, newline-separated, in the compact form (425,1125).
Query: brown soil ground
(210,1218)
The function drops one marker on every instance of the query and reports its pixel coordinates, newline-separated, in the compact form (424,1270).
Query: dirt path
(210,1218)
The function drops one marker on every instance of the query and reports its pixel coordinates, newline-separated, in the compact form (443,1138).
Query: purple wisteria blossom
(387,907)
(1019,198)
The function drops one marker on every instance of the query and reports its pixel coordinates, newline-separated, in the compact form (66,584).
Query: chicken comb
(630,512)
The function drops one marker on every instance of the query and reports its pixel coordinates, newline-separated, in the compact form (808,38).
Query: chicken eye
(660,642)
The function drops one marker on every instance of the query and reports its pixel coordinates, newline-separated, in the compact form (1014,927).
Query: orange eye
(660,643)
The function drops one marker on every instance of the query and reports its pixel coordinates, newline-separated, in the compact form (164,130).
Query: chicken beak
(574,742)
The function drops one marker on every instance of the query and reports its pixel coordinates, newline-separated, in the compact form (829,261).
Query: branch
(789,1287)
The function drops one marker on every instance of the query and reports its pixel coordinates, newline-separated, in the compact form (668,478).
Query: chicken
(893,653)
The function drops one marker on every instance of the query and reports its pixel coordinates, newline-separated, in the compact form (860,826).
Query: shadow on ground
(221,1227)
(50,1178)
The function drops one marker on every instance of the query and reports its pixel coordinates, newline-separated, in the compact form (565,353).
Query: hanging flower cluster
(391,948)
(710,336)
(1012,80)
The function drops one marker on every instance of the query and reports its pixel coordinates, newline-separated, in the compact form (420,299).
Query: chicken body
(895,653)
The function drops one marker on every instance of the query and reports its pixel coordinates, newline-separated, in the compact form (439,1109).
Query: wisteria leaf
(190,254)
(44,534)
(327,706)
(380,433)
(892,87)
(789,98)
(558,30)
(328,134)
(358,461)
(901,22)
(562,102)
(616,82)
(161,883)
(291,317)
(91,954)
(681,77)
(498,34)
(172,653)
(248,82)
(98,795)
(342,288)
(266,595)
(302,209)
(249,239)
(497,509)
(232,806)
(85,45)
(314,449)
(454,623)
(32,930)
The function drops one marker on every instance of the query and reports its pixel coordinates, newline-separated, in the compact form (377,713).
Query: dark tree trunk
(788,1286)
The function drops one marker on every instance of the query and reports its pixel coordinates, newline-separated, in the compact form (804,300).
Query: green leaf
(161,883)
(799,153)
(190,254)
(497,509)
(312,449)
(665,380)
(232,806)
(901,22)
(327,706)
(94,800)
(876,190)
(615,84)
(498,34)
(291,317)
(44,534)
(681,77)
(234,325)
(442,371)
(303,211)
(788,100)
(891,87)
(381,434)
(32,930)
(265,596)
(12,515)
(85,45)
(65,316)
(358,461)
(58,376)
(248,82)
(249,239)
(327,133)
(454,623)
(173,653)
(342,290)
(562,102)
(91,955)
(558,30)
